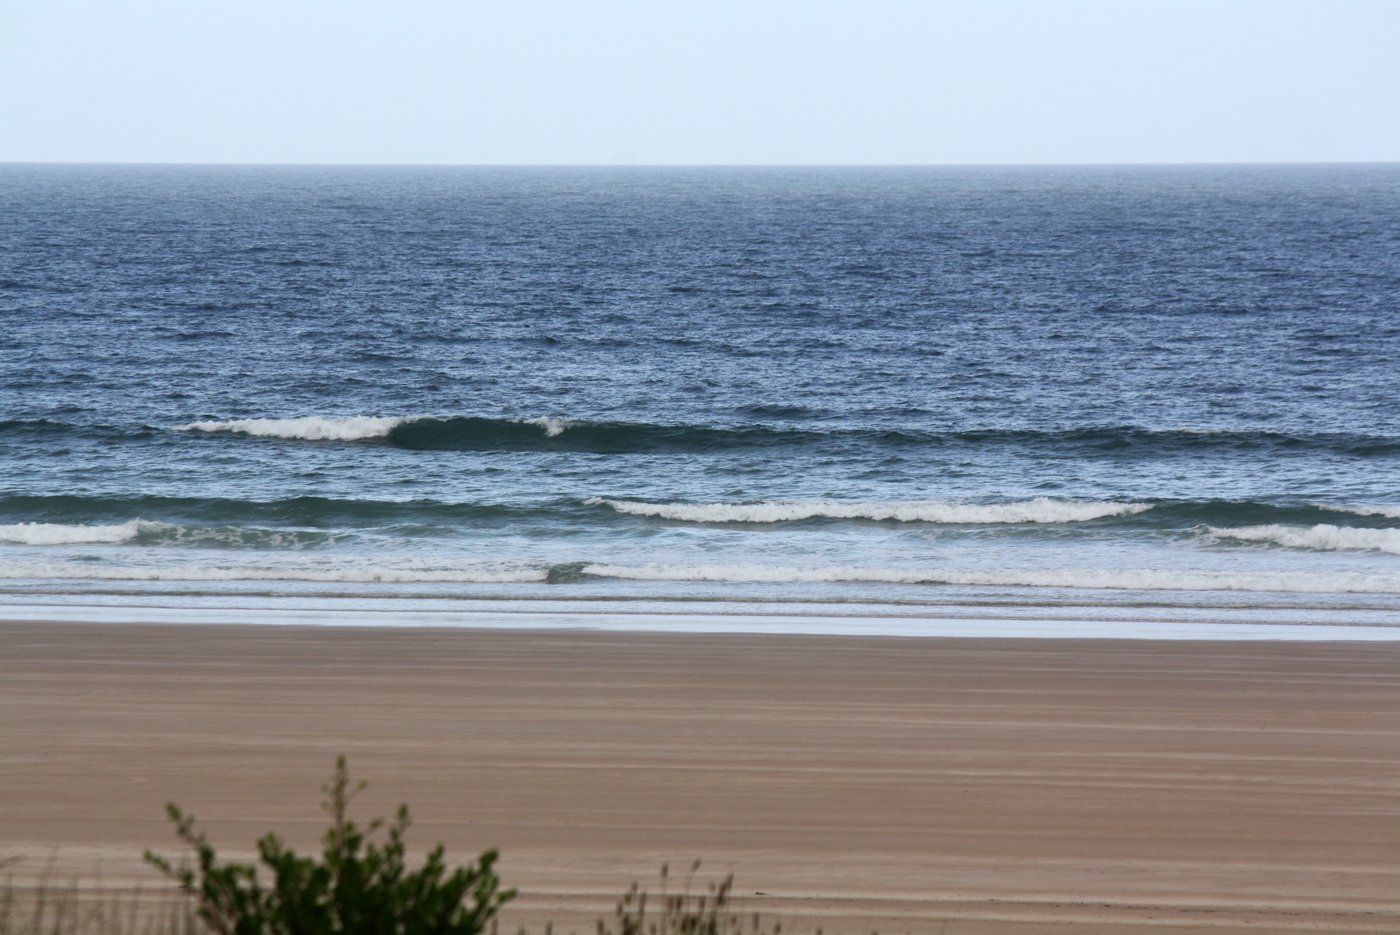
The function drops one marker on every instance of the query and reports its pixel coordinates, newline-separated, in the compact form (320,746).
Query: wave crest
(426,432)
(1039,510)
(145,532)
(553,427)
(1389,512)
(309,428)
(1323,537)
(62,534)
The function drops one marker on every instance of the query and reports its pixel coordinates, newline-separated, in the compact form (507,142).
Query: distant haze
(713,82)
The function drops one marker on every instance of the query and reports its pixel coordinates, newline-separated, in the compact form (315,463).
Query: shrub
(356,887)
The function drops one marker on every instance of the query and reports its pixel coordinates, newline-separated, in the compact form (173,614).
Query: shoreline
(817,618)
(859,783)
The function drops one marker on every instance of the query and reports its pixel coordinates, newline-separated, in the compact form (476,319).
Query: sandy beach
(919,785)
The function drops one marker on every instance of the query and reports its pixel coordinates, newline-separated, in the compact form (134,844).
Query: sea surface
(1120,390)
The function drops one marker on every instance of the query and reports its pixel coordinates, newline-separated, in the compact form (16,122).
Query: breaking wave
(426,431)
(61,534)
(310,428)
(436,517)
(1039,510)
(1389,512)
(1322,537)
(479,433)
(144,532)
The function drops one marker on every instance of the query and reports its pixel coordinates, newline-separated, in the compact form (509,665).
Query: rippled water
(1015,386)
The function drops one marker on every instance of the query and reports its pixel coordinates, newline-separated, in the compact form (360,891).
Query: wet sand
(920,785)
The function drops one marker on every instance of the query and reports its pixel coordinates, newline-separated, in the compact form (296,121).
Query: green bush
(356,887)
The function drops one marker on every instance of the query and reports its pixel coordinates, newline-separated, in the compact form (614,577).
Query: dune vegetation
(356,886)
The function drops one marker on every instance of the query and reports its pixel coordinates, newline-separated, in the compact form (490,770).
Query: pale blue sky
(423,81)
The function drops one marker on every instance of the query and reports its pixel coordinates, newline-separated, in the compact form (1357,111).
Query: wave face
(1039,510)
(470,433)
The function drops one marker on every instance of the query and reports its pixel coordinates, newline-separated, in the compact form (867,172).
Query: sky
(699,83)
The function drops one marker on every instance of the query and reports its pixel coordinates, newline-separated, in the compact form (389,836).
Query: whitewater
(360,572)
(308,428)
(1324,537)
(1039,510)
(347,428)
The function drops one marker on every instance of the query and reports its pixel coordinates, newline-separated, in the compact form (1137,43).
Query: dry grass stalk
(40,907)
(708,913)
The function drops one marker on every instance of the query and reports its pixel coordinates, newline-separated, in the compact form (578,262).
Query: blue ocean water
(1006,386)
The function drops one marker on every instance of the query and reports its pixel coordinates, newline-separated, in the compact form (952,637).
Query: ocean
(1121,393)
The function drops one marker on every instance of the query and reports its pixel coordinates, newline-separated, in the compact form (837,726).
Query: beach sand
(919,785)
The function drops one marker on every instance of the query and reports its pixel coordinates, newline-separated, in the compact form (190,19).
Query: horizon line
(706,165)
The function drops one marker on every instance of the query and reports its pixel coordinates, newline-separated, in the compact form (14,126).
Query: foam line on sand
(639,620)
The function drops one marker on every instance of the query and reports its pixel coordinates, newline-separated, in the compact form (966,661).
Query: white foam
(1132,579)
(355,574)
(1389,512)
(345,428)
(309,428)
(60,534)
(849,622)
(1323,537)
(166,534)
(1039,510)
(552,426)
